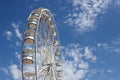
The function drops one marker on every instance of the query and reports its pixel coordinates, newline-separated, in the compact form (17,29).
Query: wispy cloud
(85,12)
(17,31)
(89,55)
(18,55)
(117,3)
(99,73)
(14,25)
(18,34)
(113,46)
(8,35)
(18,43)
(5,70)
(16,73)
(76,61)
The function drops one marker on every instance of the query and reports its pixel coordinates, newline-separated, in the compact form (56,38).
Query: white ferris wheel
(41,53)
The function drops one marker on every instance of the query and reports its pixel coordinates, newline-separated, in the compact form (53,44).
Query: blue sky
(89,32)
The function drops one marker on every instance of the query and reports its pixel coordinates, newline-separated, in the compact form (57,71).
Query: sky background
(89,32)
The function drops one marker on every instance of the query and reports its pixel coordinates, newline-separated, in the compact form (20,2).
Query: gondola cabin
(57,53)
(29,36)
(27,56)
(32,22)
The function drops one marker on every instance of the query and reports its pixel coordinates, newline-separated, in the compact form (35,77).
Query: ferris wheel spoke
(45,53)
(42,69)
(54,73)
(45,56)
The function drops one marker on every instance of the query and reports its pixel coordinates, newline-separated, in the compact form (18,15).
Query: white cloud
(17,31)
(83,65)
(18,34)
(18,55)
(117,3)
(85,12)
(15,25)
(5,70)
(109,70)
(16,73)
(113,46)
(18,43)
(89,55)
(75,61)
(104,45)
(116,42)
(8,34)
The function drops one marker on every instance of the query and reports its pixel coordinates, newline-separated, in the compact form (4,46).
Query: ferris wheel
(41,53)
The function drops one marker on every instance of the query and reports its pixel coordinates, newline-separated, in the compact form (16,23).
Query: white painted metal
(47,64)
